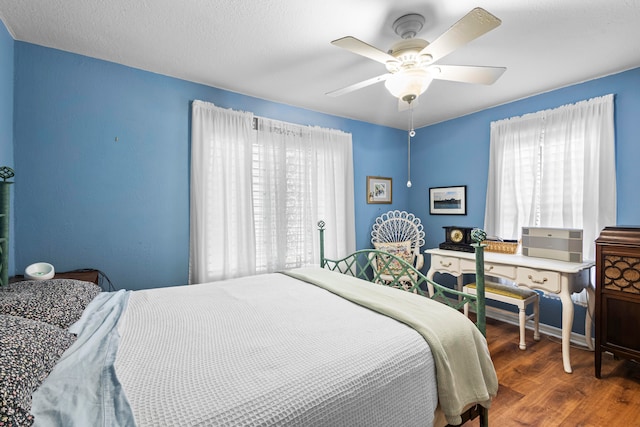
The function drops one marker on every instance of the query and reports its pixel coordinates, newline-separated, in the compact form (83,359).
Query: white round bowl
(39,271)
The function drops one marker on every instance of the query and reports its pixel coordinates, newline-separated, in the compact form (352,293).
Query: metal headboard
(404,276)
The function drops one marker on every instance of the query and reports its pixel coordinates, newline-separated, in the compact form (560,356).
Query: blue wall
(85,200)
(456,152)
(6,97)
(6,126)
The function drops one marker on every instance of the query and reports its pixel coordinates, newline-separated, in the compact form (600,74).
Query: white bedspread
(236,353)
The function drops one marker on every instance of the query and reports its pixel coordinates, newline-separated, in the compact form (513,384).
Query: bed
(309,346)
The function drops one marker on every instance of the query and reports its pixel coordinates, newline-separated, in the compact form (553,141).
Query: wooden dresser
(617,311)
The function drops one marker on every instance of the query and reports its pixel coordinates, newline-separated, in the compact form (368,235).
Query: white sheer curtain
(284,177)
(301,174)
(512,186)
(554,168)
(222,236)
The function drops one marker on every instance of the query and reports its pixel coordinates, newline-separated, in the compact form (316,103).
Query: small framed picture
(378,189)
(448,200)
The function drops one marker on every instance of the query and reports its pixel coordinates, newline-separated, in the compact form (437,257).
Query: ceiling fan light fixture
(410,61)
(408,84)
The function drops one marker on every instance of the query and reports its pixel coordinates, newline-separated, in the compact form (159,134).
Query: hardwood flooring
(535,391)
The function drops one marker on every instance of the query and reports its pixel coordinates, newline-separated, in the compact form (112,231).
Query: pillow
(400,249)
(29,349)
(59,302)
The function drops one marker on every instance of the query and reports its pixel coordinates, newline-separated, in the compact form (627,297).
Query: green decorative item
(5,173)
(321,225)
(478,235)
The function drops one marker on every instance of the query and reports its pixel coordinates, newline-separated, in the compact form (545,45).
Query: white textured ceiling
(281,51)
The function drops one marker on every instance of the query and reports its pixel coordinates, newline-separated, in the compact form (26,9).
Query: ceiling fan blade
(470,27)
(467,73)
(359,85)
(361,48)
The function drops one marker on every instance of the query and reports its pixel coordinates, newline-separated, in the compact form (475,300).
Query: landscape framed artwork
(448,200)
(379,189)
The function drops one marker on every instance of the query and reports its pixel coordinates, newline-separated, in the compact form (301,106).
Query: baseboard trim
(507,316)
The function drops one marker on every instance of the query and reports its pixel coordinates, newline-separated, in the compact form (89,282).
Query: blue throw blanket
(87,369)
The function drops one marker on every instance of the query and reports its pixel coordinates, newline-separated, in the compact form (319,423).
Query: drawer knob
(445,264)
(538,281)
(489,268)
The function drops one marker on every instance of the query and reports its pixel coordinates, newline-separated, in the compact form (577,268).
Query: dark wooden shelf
(85,275)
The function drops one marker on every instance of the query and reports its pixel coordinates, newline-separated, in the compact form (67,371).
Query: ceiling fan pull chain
(410,134)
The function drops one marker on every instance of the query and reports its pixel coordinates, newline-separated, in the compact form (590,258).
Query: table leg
(588,320)
(429,276)
(459,285)
(567,326)
(459,280)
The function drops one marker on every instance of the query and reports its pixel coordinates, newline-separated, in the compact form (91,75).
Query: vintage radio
(563,244)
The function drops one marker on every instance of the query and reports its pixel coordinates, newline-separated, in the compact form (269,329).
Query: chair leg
(466,309)
(522,318)
(536,319)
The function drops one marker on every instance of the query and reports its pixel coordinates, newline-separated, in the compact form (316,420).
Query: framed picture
(448,200)
(378,189)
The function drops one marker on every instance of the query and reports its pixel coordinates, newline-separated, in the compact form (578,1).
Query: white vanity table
(557,277)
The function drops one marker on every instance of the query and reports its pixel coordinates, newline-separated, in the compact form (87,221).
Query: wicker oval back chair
(400,233)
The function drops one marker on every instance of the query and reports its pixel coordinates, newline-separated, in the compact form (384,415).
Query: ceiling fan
(411,62)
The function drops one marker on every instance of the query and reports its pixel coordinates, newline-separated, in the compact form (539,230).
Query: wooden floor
(535,391)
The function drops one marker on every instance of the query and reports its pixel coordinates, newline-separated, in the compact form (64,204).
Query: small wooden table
(551,276)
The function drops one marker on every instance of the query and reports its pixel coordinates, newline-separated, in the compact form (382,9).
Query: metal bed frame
(406,277)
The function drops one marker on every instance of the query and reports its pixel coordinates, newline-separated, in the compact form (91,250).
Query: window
(554,168)
(274,181)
